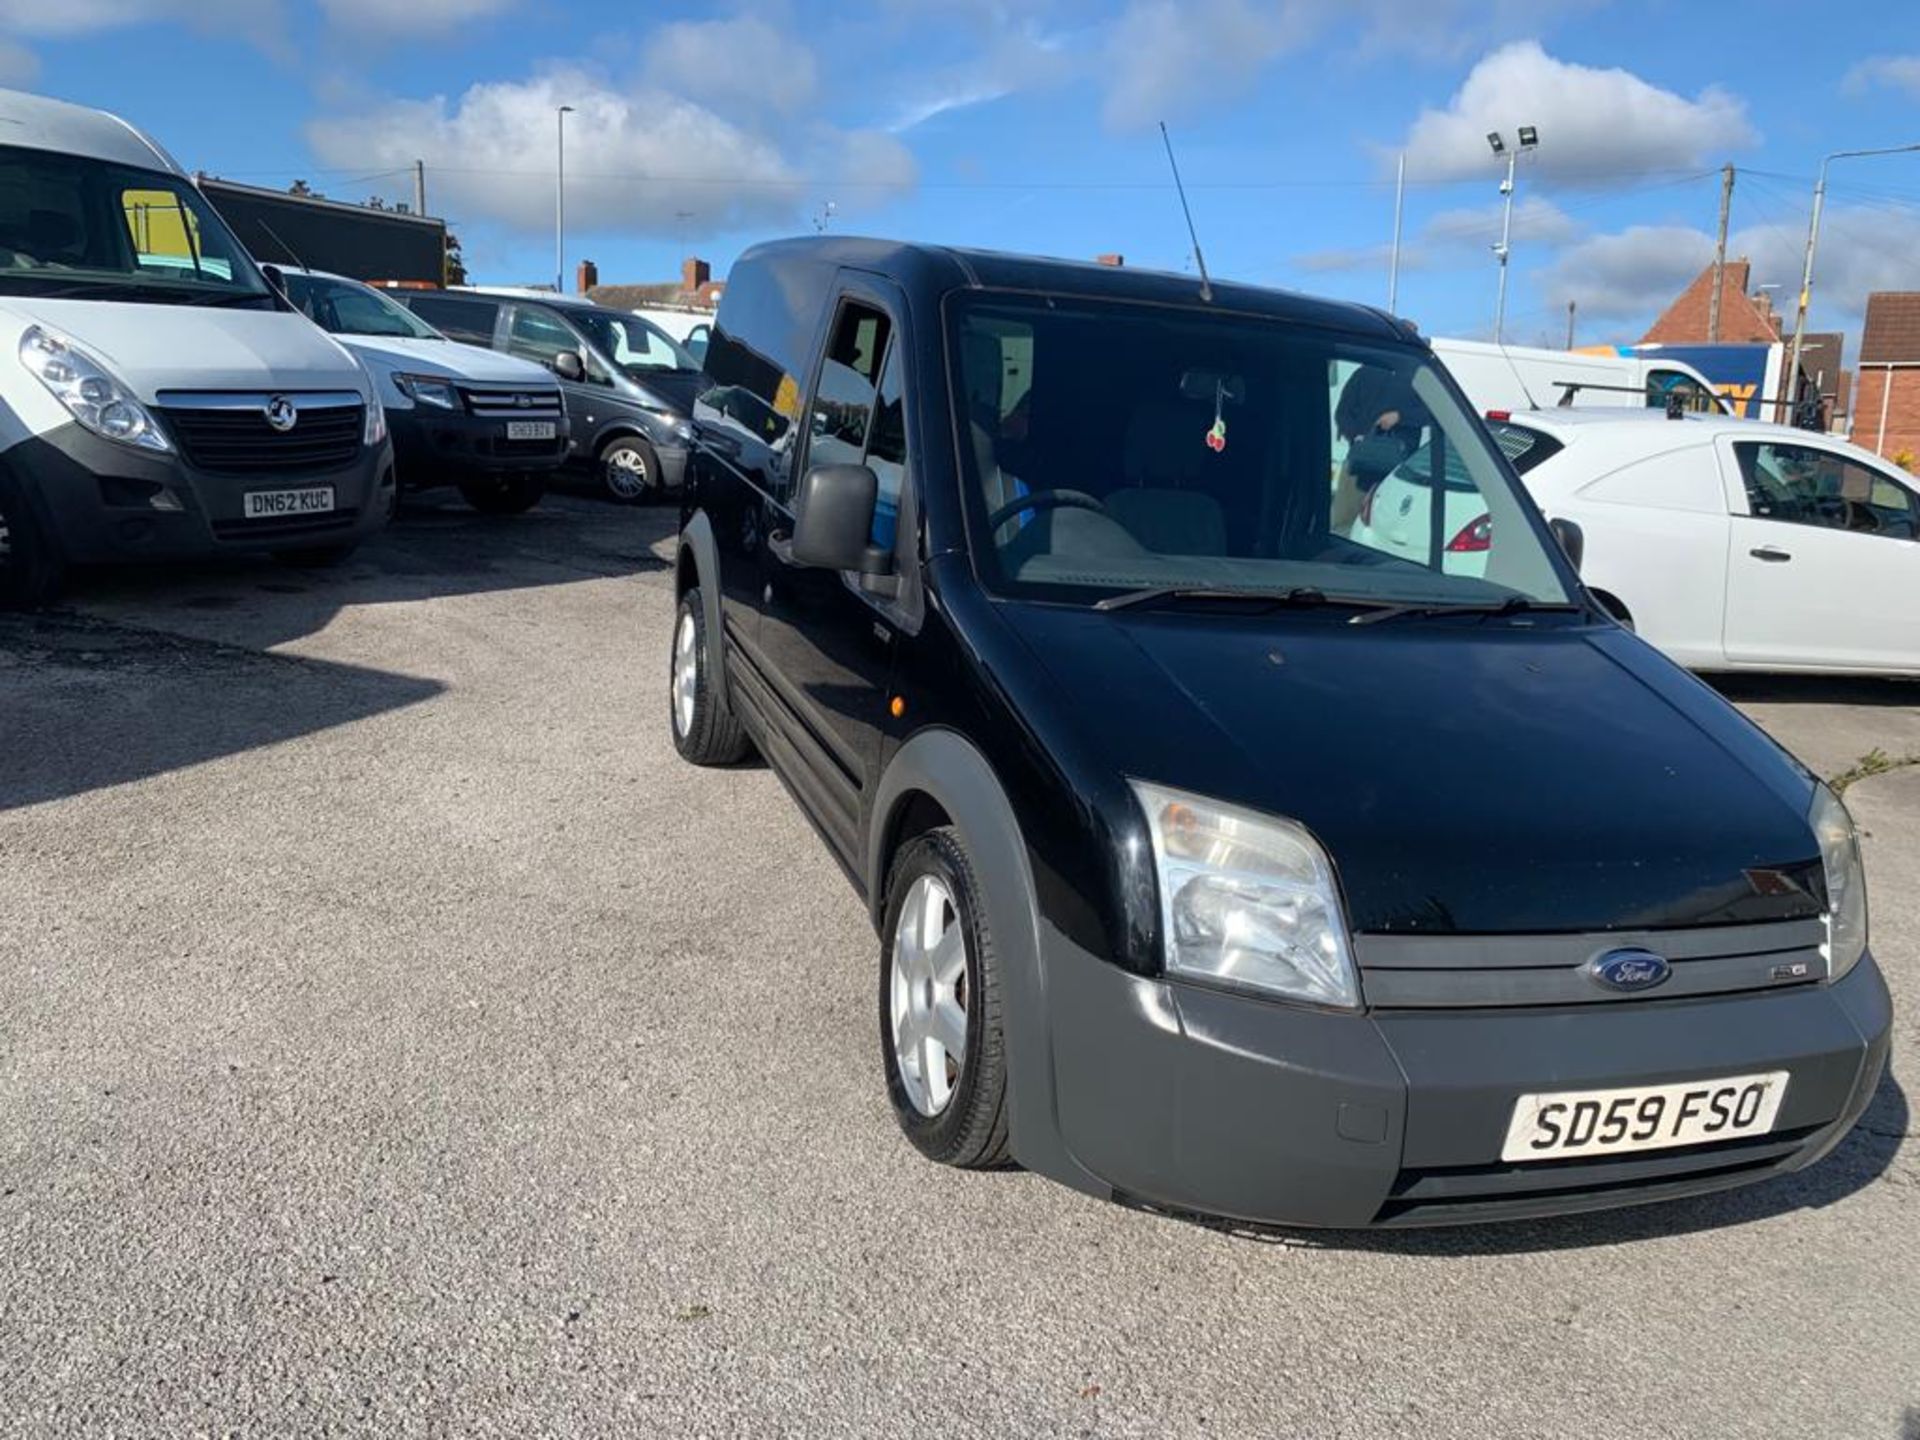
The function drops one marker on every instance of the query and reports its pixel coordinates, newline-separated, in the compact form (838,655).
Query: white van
(1520,377)
(163,401)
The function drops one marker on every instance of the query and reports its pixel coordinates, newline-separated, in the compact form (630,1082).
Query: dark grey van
(628,385)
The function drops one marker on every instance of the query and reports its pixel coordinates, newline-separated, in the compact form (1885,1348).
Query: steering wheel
(1044,500)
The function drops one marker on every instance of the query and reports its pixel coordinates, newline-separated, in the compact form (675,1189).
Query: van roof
(1564,421)
(38,122)
(942,268)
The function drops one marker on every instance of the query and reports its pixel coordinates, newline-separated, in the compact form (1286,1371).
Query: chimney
(1114,260)
(586,277)
(694,272)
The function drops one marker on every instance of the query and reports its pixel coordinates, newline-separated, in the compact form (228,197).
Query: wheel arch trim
(950,770)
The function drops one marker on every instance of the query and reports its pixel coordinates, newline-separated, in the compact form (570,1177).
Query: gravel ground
(396,1039)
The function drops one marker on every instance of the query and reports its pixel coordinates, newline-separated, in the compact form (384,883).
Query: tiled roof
(1892,329)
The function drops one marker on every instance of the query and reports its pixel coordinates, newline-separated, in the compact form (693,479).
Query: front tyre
(31,566)
(941,1041)
(629,470)
(705,729)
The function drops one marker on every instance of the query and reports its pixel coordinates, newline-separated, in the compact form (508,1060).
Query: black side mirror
(568,367)
(276,277)
(832,526)
(1573,540)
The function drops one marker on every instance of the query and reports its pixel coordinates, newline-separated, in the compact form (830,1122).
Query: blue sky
(1032,127)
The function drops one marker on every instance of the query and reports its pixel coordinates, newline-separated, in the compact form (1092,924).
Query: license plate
(273,504)
(530,430)
(1562,1125)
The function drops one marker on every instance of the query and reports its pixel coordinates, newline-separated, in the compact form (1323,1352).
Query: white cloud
(253,19)
(1900,72)
(732,65)
(1165,57)
(1630,276)
(410,17)
(1456,235)
(1012,60)
(1596,126)
(18,65)
(637,156)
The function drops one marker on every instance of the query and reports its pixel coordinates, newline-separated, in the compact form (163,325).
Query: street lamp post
(560,199)
(1529,137)
(1791,380)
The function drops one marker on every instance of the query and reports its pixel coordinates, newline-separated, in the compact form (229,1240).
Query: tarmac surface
(396,1038)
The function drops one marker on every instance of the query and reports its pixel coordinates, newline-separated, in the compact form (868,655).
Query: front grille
(237,440)
(1420,972)
(512,404)
(1470,1192)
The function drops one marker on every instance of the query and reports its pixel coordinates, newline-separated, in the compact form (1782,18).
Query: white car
(489,423)
(1732,544)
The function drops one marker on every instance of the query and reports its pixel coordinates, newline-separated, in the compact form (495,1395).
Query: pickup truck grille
(1418,972)
(512,403)
(229,435)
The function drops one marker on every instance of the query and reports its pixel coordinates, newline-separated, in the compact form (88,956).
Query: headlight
(429,390)
(376,427)
(88,390)
(1846,881)
(1248,900)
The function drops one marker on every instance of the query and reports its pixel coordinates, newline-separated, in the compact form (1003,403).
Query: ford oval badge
(1629,969)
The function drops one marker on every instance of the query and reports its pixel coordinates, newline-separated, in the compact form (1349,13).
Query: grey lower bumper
(99,501)
(1200,1100)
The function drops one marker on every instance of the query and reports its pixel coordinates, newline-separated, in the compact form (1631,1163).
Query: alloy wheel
(928,996)
(626,474)
(686,672)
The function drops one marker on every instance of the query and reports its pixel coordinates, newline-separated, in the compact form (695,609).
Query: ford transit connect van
(160,400)
(1224,858)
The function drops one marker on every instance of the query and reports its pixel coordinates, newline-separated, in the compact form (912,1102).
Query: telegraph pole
(1720,255)
(1570,309)
(419,187)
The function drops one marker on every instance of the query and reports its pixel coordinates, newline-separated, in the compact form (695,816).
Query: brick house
(1886,401)
(1744,319)
(696,289)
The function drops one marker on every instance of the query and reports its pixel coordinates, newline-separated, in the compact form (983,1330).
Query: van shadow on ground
(144,670)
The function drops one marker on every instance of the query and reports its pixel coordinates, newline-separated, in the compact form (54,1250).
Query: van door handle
(1770,552)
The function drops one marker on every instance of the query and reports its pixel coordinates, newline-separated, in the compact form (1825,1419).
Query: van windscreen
(80,228)
(1113,446)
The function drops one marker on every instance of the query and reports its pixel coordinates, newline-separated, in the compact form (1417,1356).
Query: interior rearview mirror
(1572,538)
(568,367)
(833,525)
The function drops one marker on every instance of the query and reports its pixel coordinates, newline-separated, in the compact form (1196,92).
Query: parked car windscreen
(637,346)
(1113,446)
(81,228)
(346,307)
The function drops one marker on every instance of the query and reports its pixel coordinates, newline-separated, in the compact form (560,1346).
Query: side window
(758,347)
(1523,448)
(537,336)
(457,317)
(887,450)
(1806,485)
(1693,395)
(843,401)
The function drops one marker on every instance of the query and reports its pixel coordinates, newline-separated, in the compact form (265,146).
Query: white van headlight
(1846,881)
(89,390)
(1248,900)
(376,426)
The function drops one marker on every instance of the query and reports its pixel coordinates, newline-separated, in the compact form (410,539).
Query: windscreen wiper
(1512,605)
(1292,595)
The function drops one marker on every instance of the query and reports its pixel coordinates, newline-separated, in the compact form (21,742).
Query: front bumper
(102,502)
(437,447)
(1198,1100)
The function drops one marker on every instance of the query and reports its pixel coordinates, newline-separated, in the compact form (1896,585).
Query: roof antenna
(1199,260)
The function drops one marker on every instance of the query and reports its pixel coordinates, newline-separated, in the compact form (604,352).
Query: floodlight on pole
(1529,138)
